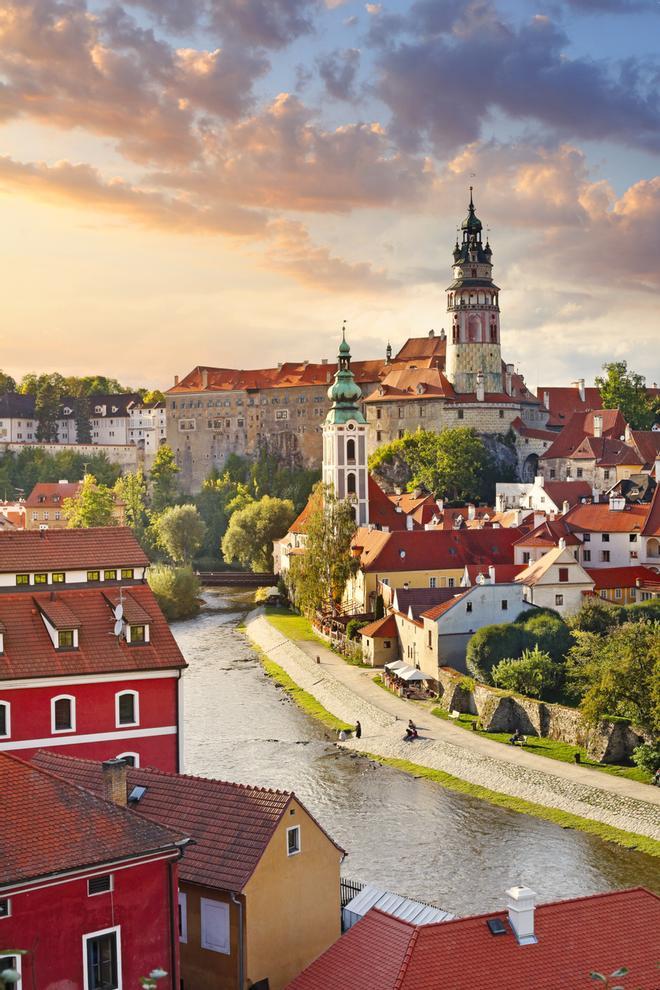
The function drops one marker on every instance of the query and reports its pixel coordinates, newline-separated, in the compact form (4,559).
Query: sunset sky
(223,182)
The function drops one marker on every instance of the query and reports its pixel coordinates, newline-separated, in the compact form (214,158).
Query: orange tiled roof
(606,578)
(62,549)
(47,495)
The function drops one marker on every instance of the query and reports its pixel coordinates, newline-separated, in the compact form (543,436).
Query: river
(409,835)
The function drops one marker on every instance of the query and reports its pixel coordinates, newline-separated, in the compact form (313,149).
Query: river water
(411,836)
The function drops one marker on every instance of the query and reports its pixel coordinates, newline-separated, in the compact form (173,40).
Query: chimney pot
(114,781)
(176,379)
(520,905)
(565,506)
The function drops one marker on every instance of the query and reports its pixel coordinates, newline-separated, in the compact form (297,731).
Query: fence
(349,888)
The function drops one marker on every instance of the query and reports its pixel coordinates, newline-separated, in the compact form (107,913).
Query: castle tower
(473,342)
(345,439)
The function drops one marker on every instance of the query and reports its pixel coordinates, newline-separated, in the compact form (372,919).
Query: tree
(151,396)
(533,674)
(93,506)
(454,465)
(132,490)
(7,383)
(180,532)
(551,635)
(82,411)
(490,644)
(177,590)
(596,616)
(619,674)
(626,390)
(251,531)
(319,576)
(46,410)
(163,477)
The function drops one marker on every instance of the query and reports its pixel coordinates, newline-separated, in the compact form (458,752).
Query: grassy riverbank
(565,819)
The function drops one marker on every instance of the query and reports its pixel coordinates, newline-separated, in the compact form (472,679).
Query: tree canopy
(92,506)
(252,530)
(164,479)
(626,390)
(180,532)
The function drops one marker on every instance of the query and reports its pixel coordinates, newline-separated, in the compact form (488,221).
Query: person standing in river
(358,730)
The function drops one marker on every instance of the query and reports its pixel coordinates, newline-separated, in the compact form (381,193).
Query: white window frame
(91,935)
(17,965)
(100,893)
(183,916)
(135,756)
(293,828)
(207,906)
(8,915)
(7,707)
(62,697)
(136,708)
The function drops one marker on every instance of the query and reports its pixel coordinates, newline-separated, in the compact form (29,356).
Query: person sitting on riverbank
(411,731)
(516,738)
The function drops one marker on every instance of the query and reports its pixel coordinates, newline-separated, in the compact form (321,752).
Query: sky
(223,182)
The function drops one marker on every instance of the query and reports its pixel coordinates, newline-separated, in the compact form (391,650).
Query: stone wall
(499,711)
(129,457)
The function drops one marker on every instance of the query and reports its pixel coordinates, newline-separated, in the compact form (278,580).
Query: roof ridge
(405,962)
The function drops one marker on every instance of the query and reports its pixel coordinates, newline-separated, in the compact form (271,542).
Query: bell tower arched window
(350,483)
(350,450)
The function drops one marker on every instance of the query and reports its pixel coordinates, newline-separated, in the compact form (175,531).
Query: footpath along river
(411,836)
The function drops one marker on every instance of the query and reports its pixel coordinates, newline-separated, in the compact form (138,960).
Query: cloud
(442,88)
(338,71)
(614,6)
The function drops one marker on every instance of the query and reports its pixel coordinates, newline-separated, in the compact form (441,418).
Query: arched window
(455,333)
(127,708)
(493,333)
(5,719)
(63,713)
(474,329)
(350,483)
(133,759)
(350,450)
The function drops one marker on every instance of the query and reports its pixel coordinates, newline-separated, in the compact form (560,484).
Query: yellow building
(625,585)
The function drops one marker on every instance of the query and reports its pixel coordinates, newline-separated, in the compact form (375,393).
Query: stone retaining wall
(498,711)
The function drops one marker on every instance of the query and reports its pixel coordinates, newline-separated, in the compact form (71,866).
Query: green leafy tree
(252,530)
(93,506)
(177,590)
(163,477)
(132,490)
(596,616)
(180,532)
(533,674)
(319,576)
(151,396)
(46,410)
(626,390)
(82,412)
(491,644)
(551,635)
(619,674)
(7,383)
(647,756)
(643,610)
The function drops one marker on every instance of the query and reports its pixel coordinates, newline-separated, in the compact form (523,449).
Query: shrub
(467,684)
(647,756)
(353,627)
(549,633)
(529,613)
(643,610)
(491,644)
(596,616)
(176,589)
(533,674)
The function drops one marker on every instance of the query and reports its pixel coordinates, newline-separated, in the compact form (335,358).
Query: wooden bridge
(227,578)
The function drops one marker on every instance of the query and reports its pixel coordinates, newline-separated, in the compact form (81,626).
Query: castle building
(345,439)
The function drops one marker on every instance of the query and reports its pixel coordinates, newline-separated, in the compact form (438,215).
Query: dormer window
(66,639)
(137,634)
(41,579)
(127,573)
(22,579)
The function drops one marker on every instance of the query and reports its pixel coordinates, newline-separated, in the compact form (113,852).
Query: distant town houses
(88,664)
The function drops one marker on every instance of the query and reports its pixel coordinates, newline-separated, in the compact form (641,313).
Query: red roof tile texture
(231,824)
(47,495)
(599,518)
(29,651)
(55,826)
(576,937)
(622,577)
(384,628)
(567,491)
(434,549)
(70,549)
(647,443)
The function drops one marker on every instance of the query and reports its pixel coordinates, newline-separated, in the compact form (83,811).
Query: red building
(88,890)
(73,677)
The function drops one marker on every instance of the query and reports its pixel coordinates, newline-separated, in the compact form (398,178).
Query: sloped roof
(533,432)
(567,491)
(288,375)
(533,574)
(14,406)
(621,577)
(549,533)
(70,549)
(29,651)
(598,933)
(436,549)
(420,599)
(599,518)
(580,428)
(431,346)
(384,628)
(411,383)
(231,824)
(647,443)
(652,524)
(56,825)
(504,573)
(47,495)
(438,610)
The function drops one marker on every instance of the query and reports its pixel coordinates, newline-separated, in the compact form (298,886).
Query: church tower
(473,342)
(345,439)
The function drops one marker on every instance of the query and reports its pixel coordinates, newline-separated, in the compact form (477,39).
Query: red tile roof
(418,600)
(424,348)
(573,440)
(533,432)
(599,518)
(70,549)
(55,826)
(289,375)
(29,651)
(599,933)
(549,533)
(384,628)
(231,824)
(383,511)
(621,577)
(449,518)
(58,613)
(567,491)
(647,443)
(652,524)
(504,573)
(438,610)
(563,402)
(434,549)
(47,495)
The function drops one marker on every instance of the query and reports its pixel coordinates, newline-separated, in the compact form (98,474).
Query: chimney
(443,334)
(471,512)
(595,497)
(114,781)
(481,390)
(562,543)
(508,380)
(205,378)
(565,507)
(598,425)
(617,503)
(491,573)
(324,360)
(579,384)
(520,906)
(539,480)
(431,334)
(500,502)
(410,522)
(176,380)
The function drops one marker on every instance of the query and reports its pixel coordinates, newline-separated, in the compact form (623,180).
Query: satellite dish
(119,625)
(118,611)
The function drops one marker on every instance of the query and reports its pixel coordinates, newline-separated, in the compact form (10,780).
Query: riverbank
(619,810)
